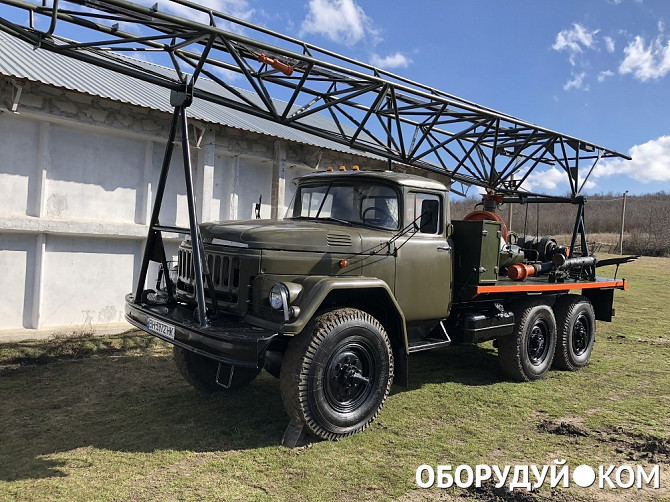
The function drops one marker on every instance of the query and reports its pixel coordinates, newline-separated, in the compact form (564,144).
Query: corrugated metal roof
(20,60)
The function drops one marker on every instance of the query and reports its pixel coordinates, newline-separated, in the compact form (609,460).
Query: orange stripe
(522,287)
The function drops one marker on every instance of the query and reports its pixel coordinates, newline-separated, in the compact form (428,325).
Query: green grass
(109,418)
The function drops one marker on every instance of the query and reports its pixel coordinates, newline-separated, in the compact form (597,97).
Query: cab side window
(424,210)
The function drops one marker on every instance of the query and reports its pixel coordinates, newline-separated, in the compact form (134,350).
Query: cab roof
(409,180)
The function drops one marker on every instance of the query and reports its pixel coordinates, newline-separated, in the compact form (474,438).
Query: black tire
(200,371)
(337,373)
(576,322)
(527,354)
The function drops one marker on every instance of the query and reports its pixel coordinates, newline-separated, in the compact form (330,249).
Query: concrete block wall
(77,175)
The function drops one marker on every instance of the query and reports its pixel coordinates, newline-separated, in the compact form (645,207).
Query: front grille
(225,271)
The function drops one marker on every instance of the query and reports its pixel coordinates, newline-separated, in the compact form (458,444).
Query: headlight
(276,292)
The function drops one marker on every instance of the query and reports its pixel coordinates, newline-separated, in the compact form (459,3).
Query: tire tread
(510,347)
(564,310)
(298,357)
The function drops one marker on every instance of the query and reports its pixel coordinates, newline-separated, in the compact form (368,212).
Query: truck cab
(343,230)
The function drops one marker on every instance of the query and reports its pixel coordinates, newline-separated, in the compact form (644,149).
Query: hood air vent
(334,239)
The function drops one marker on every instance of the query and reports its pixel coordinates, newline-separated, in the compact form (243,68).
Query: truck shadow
(140,404)
(471,365)
(124,404)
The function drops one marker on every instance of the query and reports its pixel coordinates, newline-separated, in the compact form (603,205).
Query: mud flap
(602,301)
(296,435)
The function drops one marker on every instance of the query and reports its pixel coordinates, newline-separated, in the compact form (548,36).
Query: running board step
(428,344)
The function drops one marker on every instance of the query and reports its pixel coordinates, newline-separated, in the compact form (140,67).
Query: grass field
(109,418)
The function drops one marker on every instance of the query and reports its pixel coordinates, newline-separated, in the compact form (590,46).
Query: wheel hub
(580,336)
(538,343)
(346,374)
(347,384)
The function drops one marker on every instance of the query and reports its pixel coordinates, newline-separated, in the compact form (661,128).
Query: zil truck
(367,268)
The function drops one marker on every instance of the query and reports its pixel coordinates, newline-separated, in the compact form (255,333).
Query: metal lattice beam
(369,109)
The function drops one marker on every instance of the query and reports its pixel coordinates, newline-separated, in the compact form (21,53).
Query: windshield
(360,203)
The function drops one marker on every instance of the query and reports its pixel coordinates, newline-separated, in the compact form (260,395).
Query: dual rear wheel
(563,336)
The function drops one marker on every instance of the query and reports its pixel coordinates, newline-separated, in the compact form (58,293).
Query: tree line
(646,220)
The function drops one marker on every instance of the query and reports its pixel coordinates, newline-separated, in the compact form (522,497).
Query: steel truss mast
(369,109)
(294,84)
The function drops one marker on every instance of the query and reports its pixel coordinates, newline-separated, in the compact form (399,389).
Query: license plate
(160,328)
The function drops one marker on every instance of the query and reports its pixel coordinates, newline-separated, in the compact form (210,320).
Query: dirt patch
(563,428)
(633,446)
(637,447)
(489,492)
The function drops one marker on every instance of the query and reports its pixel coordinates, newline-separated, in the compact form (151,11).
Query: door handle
(444,248)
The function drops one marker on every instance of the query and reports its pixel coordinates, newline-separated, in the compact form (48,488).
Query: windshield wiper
(338,220)
(321,218)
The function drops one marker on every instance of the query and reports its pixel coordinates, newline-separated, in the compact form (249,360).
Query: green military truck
(367,268)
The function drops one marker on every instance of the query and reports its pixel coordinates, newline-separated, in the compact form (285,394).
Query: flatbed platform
(541,285)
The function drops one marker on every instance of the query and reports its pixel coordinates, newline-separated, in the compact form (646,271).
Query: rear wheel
(576,323)
(200,371)
(527,353)
(337,373)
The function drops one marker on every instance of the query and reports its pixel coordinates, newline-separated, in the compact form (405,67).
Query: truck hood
(289,235)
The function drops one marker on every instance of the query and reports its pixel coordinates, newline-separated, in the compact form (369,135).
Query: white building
(80,152)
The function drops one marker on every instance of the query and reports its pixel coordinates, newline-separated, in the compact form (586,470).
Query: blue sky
(595,69)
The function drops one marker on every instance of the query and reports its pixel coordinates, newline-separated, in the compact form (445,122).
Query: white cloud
(576,82)
(604,75)
(609,44)
(547,180)
(646,62)
(552,180)
(342,21)
(650,162)
(235,8)
(396,60)
(575,40)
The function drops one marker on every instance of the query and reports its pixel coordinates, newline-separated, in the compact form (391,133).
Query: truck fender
(369,294)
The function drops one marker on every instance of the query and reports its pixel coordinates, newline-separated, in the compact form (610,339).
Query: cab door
(423,280)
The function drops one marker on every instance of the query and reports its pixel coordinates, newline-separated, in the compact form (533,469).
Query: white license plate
(160,328)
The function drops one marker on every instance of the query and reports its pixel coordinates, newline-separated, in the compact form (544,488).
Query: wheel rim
(350,376)
(538,343)
(581,335)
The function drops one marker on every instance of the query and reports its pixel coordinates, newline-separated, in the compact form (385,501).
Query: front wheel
(337,373)
(576,323)
(527,353)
